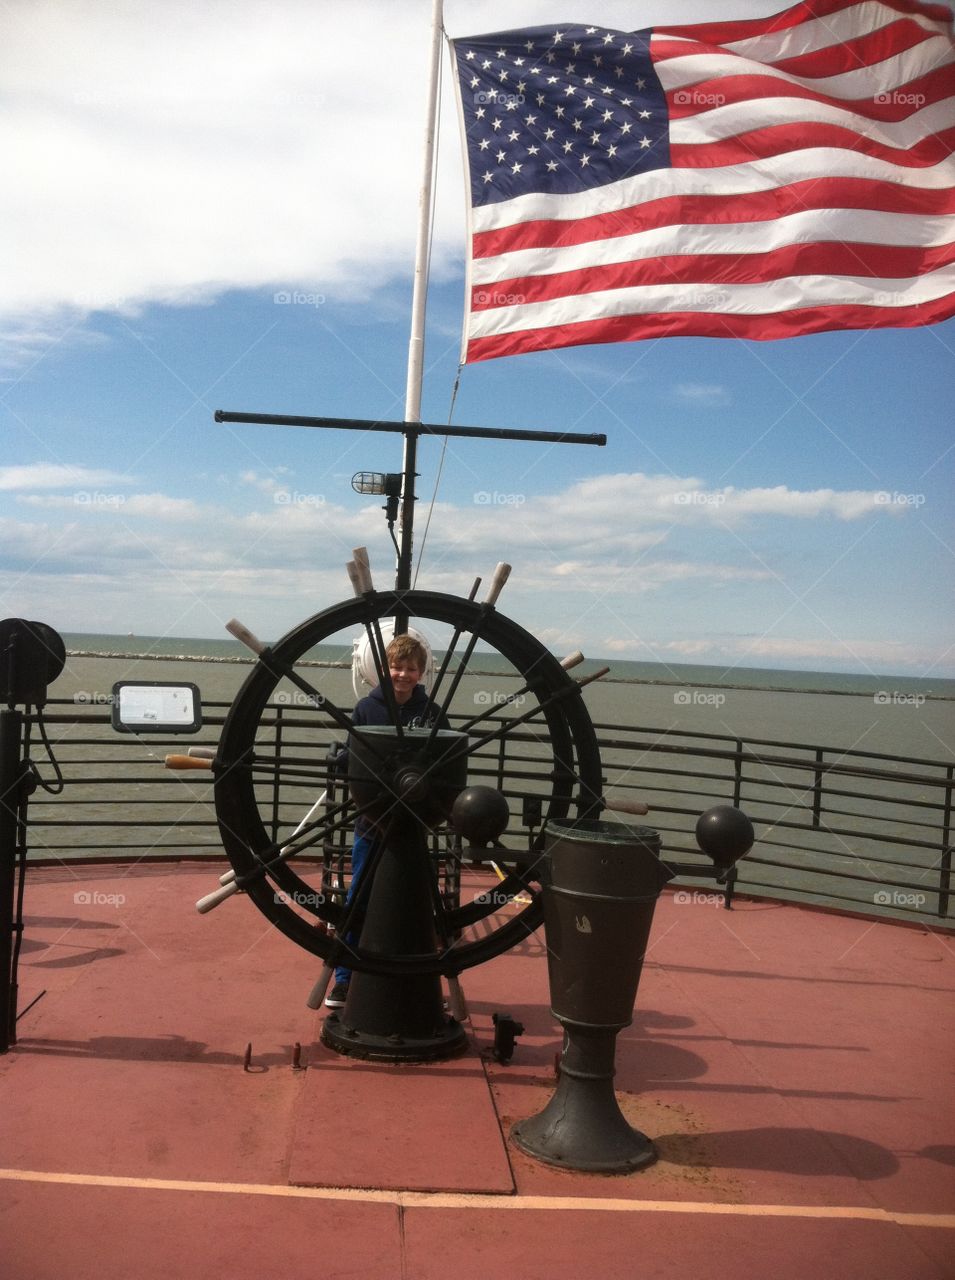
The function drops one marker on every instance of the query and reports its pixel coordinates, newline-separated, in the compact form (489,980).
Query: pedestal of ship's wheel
(400,782)
(388,1018)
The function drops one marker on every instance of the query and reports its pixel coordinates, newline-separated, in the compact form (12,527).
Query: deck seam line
(472,1200)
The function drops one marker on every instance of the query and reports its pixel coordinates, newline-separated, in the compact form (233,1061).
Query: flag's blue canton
(559,110)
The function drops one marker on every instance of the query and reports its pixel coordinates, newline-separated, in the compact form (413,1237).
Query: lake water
(897,715)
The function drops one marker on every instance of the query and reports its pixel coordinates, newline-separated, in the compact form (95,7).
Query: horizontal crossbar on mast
(410,428)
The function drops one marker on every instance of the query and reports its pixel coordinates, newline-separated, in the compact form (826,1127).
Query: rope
(437,479)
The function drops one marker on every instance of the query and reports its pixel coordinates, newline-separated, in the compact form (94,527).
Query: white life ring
(363,674)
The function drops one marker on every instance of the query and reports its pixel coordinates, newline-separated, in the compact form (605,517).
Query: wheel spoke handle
(317,993)
(622,804)
(181,763)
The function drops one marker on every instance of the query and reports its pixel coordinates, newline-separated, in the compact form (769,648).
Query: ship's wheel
(267,777)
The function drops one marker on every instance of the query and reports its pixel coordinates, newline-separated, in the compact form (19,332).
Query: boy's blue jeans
(359,854)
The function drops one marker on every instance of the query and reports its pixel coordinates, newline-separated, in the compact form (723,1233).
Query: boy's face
(404,676)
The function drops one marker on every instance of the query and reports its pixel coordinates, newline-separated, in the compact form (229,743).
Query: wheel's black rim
(576,780)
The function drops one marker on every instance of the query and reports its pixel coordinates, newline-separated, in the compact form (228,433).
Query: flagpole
(418,307)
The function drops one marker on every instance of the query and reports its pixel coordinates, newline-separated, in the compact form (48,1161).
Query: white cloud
(779,651)
(159,506)
(26,339)
(632,512)
(98,502)
(706,394)
(268,484)
(636,579)
(226,159)
(49,475)
(805,504)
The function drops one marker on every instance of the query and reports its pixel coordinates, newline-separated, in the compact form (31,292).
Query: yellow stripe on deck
(445,1200)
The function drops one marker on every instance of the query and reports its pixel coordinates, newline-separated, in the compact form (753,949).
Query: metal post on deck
(32,655)
(11,794)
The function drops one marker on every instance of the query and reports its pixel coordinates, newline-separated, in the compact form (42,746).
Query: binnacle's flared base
(576,1132)
(448,1042)
(582,1127)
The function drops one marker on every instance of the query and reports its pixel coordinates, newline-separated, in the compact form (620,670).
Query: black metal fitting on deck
(506,1031)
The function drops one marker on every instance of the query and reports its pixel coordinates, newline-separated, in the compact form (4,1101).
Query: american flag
(756,179)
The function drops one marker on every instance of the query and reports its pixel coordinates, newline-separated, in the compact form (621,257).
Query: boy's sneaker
(337,996)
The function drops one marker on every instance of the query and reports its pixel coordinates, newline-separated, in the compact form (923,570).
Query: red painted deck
(793,1067)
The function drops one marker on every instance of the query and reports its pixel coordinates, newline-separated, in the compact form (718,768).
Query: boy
(407,659)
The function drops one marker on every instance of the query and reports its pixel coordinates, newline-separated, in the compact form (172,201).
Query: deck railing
(854,829)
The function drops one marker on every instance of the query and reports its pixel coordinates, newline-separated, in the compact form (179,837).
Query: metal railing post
(945,864)
(728,888)
(738,773)
(276,791)
(817,790)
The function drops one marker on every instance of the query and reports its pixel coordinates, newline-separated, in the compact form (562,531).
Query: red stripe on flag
(760,144)
(695,324)
(935,86)
(832,59)
(746,28)
(822,194)
(876,261)
(864,51)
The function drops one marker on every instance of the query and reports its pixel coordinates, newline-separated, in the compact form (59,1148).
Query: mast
(418,308)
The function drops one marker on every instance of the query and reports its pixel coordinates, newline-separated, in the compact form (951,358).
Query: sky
(214,206)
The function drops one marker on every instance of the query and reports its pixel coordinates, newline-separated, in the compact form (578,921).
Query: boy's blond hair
(407,649)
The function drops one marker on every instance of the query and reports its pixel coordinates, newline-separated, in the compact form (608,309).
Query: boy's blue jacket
(373,709)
